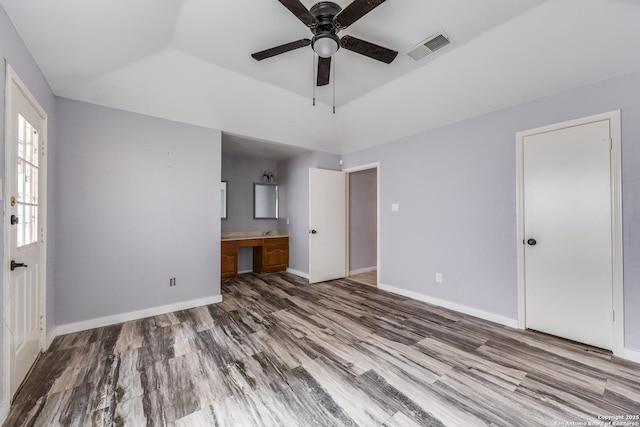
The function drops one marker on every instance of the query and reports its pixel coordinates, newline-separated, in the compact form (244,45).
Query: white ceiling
(189,60)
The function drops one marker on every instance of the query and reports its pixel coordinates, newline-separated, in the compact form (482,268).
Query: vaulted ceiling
(189,61)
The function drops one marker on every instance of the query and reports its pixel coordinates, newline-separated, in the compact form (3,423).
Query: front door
(25,175)
(568,233)
(327,225)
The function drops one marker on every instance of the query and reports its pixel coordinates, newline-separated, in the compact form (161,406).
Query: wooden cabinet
(269,255)
(272,256)
(229,259)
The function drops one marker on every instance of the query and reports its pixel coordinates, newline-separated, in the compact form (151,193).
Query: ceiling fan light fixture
(325,45)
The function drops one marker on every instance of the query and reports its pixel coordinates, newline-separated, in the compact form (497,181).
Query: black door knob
(531,242)
(14,220)
(313,231)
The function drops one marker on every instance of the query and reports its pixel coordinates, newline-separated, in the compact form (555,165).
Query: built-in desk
(270,252)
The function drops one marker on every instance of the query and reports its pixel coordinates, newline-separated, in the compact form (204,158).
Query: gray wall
(241,174)
(15,53)
(363,219)
(293,181)
(135,207)
(456,190)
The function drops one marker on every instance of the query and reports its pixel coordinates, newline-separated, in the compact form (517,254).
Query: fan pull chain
(334,83)
(315,68)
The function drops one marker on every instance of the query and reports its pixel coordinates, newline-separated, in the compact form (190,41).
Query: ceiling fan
(325,19)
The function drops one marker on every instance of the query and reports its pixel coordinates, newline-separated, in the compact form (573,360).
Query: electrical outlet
(438,277)
(172,281)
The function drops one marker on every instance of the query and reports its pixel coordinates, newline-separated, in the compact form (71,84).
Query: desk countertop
(245,235)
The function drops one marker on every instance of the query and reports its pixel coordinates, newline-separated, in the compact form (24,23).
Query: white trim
(632,355)
(53,333)
(492,317)
(12,77)
(134,315)
(245,271)
(616,217)
(298,273)
(349,171)
(363,270)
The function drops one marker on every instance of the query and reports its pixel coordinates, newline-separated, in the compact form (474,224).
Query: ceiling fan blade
(356,10)
(301,12)
(264,54)
(324,70)
(368,49)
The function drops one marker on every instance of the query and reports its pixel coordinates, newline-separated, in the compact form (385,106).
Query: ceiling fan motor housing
(325,28)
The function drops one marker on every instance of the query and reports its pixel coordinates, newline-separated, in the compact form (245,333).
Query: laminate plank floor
(280,352)
(368,278)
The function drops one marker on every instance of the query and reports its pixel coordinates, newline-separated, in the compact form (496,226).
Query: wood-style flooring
(368,278)
(280,352)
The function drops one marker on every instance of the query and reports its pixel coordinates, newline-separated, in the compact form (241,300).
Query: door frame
(348,172)
(12,77)
(616,219)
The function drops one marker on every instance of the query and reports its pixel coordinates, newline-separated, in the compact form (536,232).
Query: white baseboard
(492,317)
(51,335)
(298,273)
(362,270)
(134,315)
(632,355)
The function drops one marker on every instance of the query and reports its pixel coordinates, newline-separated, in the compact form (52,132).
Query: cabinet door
(275,254)
(276,257)
(228,260)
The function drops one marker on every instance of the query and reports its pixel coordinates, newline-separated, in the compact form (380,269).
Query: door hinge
(613,312)
(42,235)
(610,144)
(41,323)
(42,148)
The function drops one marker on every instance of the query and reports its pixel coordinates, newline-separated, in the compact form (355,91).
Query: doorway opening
(363,255)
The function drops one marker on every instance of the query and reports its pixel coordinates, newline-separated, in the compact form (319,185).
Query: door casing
(616,219)
(12,77)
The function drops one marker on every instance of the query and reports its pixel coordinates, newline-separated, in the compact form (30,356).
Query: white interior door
(568,233)
(327,225)
(24,280)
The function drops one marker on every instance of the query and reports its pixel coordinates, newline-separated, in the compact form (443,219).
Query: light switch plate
(395,207)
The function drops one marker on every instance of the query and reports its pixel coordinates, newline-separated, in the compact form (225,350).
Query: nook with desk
(270,251)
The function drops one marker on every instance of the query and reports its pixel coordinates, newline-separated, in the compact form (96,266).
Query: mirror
(265,201)
(223,200)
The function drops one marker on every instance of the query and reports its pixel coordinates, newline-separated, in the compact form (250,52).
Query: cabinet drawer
(276,241)
(228,244)
(247,243)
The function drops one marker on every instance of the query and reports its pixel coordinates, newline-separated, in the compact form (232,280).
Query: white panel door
(25,173)
(567,229)
(327,225)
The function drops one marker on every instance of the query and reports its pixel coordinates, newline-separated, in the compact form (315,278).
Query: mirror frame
(223,199)
(255,187)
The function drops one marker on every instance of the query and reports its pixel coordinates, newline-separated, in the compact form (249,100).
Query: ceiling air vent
(429,46)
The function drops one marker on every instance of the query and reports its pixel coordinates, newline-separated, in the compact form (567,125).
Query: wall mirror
(265,201)
(223,200)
